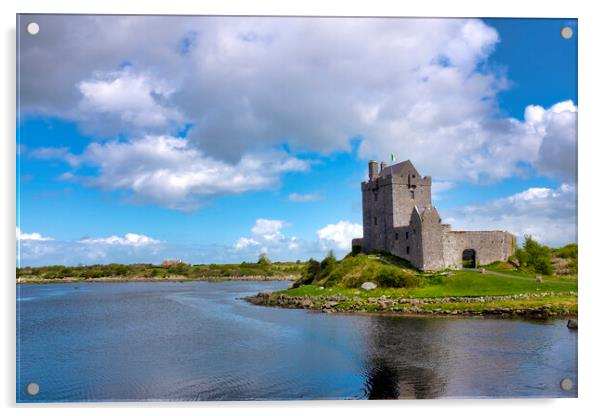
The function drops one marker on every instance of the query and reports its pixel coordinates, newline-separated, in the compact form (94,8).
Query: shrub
(390,277)
(569,251)
(534,256)
(263,260)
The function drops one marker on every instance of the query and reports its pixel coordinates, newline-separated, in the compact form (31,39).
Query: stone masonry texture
(399,218)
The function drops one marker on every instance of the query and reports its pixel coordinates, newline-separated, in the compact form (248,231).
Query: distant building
(399,218)
(174,262)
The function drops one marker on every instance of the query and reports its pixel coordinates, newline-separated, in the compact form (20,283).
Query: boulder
(572,324)
(538,279)
(368,286)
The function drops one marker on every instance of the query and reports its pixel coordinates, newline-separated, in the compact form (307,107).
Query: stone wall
(398,217)
(489,246)
(388,198)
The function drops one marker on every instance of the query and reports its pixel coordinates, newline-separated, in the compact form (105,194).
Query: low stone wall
(414,306)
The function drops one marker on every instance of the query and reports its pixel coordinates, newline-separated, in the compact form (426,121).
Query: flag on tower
(393,157)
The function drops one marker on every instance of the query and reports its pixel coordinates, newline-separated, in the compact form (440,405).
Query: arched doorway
(469,258)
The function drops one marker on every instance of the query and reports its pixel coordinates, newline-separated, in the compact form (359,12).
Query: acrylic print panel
(293,208)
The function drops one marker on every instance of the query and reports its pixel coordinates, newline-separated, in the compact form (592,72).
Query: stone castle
(399,218)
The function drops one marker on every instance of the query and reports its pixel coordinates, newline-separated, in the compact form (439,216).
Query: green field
(460,283)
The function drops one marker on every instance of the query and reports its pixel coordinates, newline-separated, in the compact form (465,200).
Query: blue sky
(216,139)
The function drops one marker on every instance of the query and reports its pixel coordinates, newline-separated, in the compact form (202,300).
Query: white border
(590,34)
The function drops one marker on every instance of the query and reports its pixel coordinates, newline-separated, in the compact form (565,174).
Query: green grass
(556,304)
(460,283)
(507,268)
(384,269)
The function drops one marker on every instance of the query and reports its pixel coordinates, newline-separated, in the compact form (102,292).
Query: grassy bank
(335,287)
(263,270)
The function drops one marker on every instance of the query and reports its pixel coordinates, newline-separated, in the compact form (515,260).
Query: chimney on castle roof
(372,170)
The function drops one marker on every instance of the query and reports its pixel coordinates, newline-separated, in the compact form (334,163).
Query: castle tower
(399,219)
(388,198)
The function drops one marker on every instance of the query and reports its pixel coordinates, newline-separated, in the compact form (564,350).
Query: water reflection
(199,341)
(402,357)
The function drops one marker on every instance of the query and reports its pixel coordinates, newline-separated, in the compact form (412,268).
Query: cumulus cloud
(130,239)
(295,197)
(134,102)
(268,237)
(269,230)
(338,236)
(549,215)
(243,242)
(420,88)
(31,236)
(35,250)
(169,172)
(557,156)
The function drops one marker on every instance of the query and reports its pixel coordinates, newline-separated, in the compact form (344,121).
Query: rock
(572,324)
(538,279)
(482,271)
(307,303)
(368,286)
(321,288)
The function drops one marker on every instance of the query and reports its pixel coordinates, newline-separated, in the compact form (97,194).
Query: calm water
(199,341)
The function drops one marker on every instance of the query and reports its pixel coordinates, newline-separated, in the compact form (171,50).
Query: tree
(535,256)
(264,260)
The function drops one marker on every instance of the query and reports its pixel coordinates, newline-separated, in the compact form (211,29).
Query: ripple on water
(200,341)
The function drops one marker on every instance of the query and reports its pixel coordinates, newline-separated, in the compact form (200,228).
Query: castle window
(375,221)
(376,196)
(396,236)
(407,235)
(407,249)
(412,194)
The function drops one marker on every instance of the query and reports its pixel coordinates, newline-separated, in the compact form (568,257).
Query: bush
(390,277)
(263,260)
(569,251)
(535,256)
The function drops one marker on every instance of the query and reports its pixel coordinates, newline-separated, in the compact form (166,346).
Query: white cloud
(338,236)
(549,215)
(439,187)
(130,239)
(244,242)
(35,250)
(269,230)
(30,236)
(134,101)
(167,171)
(268,237)
(557,156)
(420,88)
(295,197)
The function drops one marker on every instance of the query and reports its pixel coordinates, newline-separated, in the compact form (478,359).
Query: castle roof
(405,167)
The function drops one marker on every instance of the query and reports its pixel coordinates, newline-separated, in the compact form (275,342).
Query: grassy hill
(383,269)
(333,286)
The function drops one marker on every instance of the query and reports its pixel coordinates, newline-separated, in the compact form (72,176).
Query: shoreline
(174,278)
(529,305)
